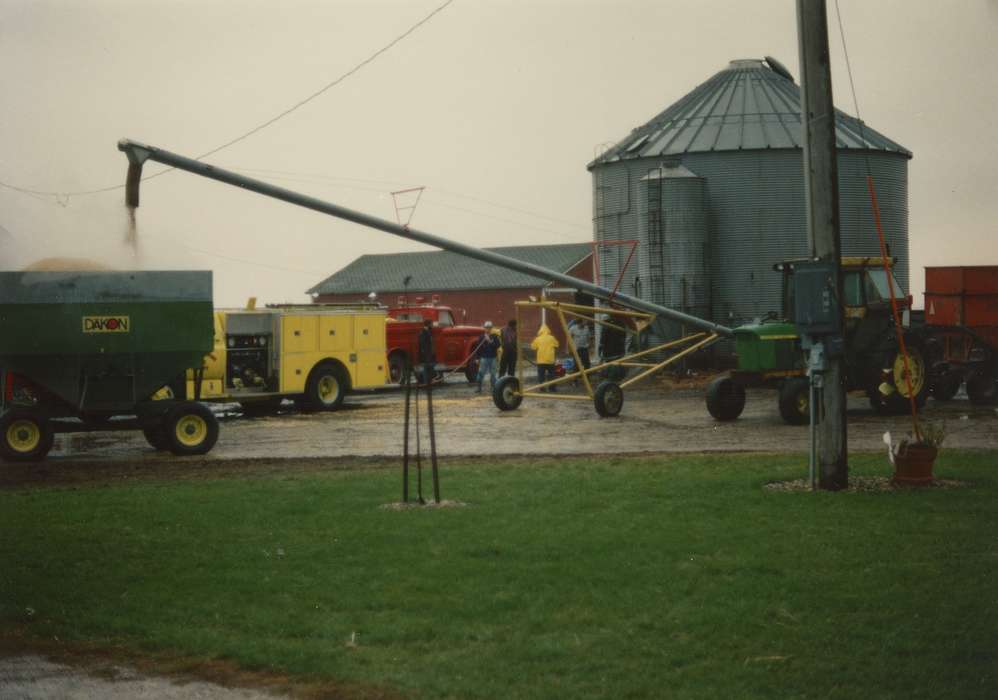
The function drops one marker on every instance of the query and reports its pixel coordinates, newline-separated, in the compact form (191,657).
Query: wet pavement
(655,418)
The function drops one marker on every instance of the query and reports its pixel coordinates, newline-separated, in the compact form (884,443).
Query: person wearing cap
(486,349)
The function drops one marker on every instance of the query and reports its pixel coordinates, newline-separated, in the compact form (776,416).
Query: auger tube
(138,153)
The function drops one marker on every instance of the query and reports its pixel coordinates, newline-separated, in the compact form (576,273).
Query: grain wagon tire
(609,399)
(471,370)
(398,367)
(795,401)
(982,387)
(725,398)
(506,394)
(25,436)
(945,386)
(155,435)
(326,387)
(258,409)
(190,428)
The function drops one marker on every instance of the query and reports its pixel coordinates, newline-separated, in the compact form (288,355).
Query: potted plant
(914,456)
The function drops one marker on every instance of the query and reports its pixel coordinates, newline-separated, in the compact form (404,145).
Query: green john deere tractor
(770,353)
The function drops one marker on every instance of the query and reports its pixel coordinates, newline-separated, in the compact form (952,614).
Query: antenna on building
(401,199)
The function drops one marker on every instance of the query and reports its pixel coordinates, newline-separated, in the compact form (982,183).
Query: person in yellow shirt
(545,345)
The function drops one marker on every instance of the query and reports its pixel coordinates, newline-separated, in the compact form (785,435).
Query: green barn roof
(437,270)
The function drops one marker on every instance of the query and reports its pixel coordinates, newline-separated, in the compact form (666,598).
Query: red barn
(477,291)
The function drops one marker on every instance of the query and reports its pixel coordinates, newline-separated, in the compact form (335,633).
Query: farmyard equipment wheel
(982,387)
(190,428)
(506,394)
(156,437)
(795,400)
(896,402)
(725,398)
(945,386)
(398,368)
(25,436)
(471,370)
(326,387)
(609,399)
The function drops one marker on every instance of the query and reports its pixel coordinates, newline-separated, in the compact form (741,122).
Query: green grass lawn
(632,577)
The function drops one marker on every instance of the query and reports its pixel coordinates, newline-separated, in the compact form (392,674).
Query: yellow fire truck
(314,354)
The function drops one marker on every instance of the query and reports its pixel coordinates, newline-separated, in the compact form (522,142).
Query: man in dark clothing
(427,359)
(486,349)
(507,365)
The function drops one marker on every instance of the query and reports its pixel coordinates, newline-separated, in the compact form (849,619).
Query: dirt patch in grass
(106,661)
(415,505)
(867,484)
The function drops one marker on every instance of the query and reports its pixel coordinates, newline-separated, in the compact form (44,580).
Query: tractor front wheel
(190,428)
(725,398)
(25,436)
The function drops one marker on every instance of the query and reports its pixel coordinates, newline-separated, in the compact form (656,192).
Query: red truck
(453,344)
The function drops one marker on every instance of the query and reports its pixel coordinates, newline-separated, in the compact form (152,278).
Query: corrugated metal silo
(740,133)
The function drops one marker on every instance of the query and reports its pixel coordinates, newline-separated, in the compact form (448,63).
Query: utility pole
(821,184)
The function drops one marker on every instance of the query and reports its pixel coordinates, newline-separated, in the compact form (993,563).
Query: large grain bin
(722,169)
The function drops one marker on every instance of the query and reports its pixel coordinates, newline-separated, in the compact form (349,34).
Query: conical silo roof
(750,105)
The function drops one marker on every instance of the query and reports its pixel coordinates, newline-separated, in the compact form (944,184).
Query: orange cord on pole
(894,308)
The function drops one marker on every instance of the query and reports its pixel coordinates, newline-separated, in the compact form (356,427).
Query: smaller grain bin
(672,235)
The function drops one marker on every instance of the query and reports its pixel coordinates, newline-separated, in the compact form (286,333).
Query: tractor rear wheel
(506,394)
(190,428)
(609,399)
(982,387)
(725,398)
(25,436)
(795,400)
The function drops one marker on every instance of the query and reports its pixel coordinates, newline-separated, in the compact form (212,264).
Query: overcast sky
(495,106)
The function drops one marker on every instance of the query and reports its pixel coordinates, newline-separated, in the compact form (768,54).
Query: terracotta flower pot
(913,465)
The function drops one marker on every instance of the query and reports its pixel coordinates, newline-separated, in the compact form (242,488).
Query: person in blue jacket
(487,349)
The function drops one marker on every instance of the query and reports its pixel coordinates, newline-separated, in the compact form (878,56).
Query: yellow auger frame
(607,396)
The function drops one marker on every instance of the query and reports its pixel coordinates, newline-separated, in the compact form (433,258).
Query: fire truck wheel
(190,429)
(795,401)
(471,371)
(156,437)
(945,386)
(25,436)
(725,398)
(506,394)
(609,399)
(398,367)
(326,387)
(982,387)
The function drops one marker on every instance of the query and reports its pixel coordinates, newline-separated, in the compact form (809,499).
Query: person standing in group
(487,349)
(507,365)
(545,345)
(581,336)
(427,358)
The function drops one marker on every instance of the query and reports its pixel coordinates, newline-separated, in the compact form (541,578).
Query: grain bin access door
(103,341)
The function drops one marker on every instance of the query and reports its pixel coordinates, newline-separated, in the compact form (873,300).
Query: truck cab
(453,344)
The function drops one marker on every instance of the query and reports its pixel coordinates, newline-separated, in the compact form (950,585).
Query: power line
(256,129)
